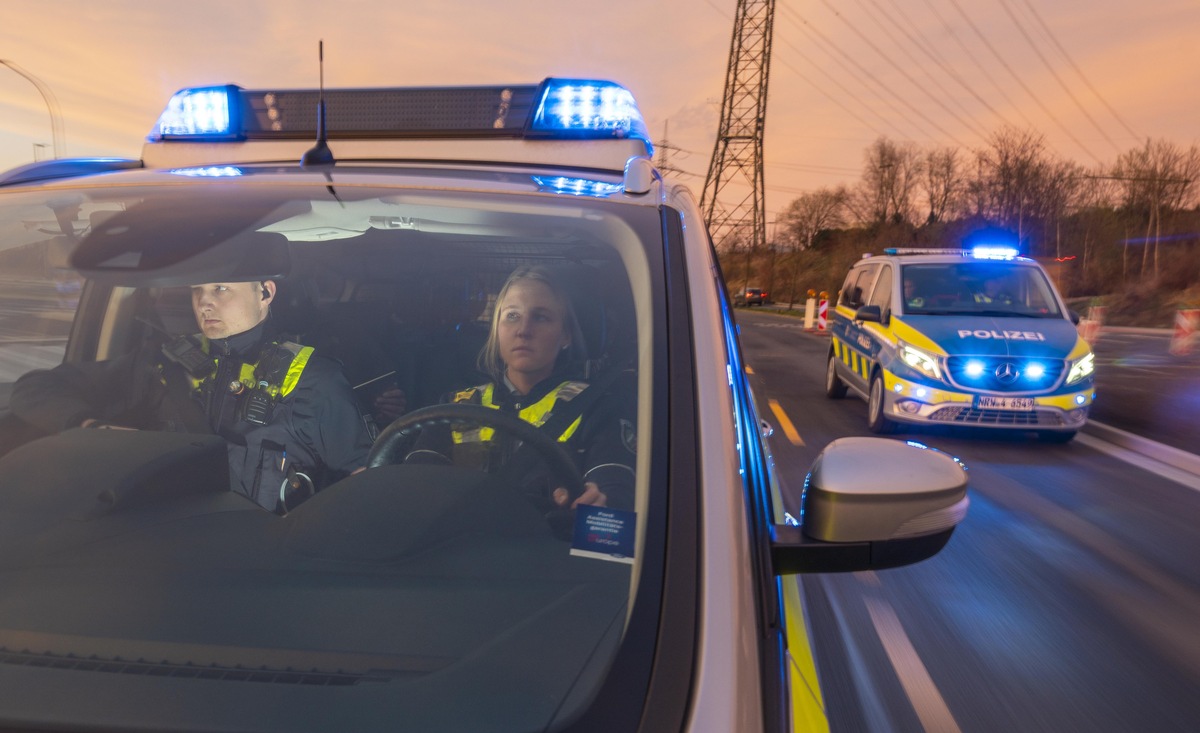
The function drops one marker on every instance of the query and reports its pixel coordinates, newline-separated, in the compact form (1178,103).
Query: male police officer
(288,415)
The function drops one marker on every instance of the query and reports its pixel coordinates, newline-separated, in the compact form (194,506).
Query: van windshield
(998,289)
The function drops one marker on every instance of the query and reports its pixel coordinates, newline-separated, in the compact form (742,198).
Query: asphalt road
(1067,600)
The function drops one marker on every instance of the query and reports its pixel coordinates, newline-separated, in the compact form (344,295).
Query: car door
(852,344)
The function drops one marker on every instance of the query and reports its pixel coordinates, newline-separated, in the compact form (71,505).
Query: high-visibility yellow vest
(536,414)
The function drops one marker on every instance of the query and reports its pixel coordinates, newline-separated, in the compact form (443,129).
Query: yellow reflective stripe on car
(912,336)
(1081,349)
(808,706)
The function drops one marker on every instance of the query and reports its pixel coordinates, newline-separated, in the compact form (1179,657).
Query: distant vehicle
(752,296)
(140,593)
(975,338)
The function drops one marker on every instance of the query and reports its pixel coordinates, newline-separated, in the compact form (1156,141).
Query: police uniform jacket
(315,427)
(601,440)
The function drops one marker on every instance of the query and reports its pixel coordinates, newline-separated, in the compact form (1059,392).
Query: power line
(1022,84)
(1050,68)
(978,64)
(930,50)
(836,54)
(928,75)
(900,69)
(829,96)
(1078,71)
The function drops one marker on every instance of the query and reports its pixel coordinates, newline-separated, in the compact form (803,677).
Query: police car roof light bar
(979,252)
(559,109)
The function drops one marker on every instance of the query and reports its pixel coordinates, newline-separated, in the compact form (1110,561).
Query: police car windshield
(257,331)
(996,289)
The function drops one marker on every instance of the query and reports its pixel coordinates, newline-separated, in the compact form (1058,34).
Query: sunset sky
(1096,77)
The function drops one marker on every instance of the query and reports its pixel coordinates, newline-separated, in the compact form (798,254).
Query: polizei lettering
(1006,335)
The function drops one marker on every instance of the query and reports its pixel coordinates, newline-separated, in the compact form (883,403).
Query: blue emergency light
(212,171)
(206,113)
(577,186)
(588,109)
(994,252)
(559,109)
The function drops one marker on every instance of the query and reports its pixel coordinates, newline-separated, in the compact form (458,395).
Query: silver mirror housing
(871,503)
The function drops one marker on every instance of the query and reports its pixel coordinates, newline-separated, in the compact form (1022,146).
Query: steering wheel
(390,441)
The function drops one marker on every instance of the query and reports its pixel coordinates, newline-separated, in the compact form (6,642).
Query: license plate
(1004,403)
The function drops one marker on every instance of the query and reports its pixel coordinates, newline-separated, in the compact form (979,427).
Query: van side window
(858,285)
(882,295)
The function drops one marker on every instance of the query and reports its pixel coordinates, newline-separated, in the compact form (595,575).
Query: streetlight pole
(56,126)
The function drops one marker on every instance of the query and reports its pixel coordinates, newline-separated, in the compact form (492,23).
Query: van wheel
(1056,436)
(877,421)
(835,388)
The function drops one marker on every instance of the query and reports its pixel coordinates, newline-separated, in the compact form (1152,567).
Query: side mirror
(872,503)
(869,313)
(1075,317)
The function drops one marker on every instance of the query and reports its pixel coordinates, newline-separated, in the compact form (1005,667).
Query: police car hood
(998,336)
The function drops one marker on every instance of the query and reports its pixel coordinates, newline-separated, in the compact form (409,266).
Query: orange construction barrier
(1187,324)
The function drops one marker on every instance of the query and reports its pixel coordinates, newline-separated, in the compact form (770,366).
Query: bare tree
(891,174)
(803,219)
(1012,177)
(808,214)
(1157,179)
(944,183)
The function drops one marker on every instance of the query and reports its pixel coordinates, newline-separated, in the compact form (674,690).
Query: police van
(140,592)
(976,337)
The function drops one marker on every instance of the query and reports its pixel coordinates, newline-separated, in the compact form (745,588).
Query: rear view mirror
(871,503)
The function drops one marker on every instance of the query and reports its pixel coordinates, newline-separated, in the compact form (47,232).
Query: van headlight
(927,364)
(1082,367)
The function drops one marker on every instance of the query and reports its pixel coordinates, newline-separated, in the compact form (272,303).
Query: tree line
(1129,227)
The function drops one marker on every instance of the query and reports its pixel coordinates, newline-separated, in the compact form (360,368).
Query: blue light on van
(212,171)
(577,186)
(572,108)
(994,252)
(199,113)
(974,369)
(1034,370)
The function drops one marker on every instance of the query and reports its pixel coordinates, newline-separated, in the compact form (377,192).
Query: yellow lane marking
(784,422)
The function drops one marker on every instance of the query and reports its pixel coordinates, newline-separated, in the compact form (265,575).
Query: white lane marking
(914,678)
(1145,463)
(863,675)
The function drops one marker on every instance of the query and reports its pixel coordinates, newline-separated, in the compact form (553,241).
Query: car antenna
(319,154)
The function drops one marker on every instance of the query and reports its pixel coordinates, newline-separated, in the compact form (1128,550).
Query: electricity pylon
(733,201)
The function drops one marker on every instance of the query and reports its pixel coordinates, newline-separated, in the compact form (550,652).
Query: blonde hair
(490,361)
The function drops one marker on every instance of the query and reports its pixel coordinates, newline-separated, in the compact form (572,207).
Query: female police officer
(534,344)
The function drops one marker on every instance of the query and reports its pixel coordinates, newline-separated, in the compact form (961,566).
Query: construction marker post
(810,310)
(1187,325)
(1090,327)
(822,312)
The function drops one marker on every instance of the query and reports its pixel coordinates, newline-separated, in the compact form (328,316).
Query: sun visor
(173,242)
